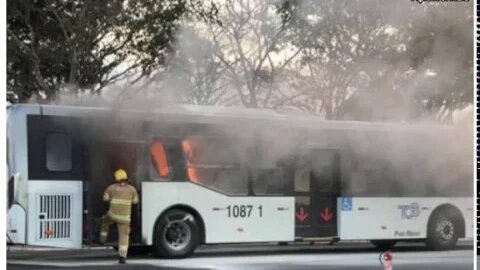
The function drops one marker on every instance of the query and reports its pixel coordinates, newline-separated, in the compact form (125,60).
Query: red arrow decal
(326,214)
(302,215)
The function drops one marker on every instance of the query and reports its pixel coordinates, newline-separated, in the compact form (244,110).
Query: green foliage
(84,45)
(344,59)
(383,52)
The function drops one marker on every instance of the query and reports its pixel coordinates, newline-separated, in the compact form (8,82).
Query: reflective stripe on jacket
(121,197)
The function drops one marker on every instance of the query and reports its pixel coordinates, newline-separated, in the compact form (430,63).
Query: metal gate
(54,216)
(55,213)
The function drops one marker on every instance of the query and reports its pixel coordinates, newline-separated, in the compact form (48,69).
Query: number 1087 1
(243,211)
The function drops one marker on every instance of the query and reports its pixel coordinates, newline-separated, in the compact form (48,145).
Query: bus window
(188,149)
(273,180)
(211,162)
(201,164)
(58,152)
(11,190)
(374,182)
(322,169)
(270,181)
(302,174)
(159,159)
(193,172)
(8,156)
(302,180)
(359,180)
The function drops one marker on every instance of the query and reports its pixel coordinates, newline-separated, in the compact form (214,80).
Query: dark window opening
(11,189)
(322,170)
(58,152)
(272,168)
(274,181)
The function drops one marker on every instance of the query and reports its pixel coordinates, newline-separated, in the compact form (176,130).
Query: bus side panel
(468,214)
(17,127)
(228,219)
(16,228)
(55,213)
(235,219)
(156,197)
(393,218)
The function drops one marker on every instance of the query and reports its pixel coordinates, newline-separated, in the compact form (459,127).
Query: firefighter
(121,196)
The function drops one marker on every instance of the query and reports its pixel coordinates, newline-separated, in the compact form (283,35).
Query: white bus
(215,175)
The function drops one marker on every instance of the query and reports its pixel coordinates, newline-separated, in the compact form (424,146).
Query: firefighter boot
(121,260)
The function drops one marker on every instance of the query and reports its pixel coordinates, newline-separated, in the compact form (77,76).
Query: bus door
(316,190)
(104,158)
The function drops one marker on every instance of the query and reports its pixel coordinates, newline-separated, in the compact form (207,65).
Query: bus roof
(210,114)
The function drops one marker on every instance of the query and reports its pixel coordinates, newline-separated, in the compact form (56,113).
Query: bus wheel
(176,234)
(443,231)
(383,245)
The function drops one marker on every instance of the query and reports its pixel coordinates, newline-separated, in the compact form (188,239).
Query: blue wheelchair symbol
(347,204)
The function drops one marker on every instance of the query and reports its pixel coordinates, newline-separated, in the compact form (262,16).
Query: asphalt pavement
(269,256)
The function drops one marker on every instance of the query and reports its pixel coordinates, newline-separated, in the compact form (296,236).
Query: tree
(194,72)
(362,61)
(441,51)
(86,45)
(249,51)
(348,48)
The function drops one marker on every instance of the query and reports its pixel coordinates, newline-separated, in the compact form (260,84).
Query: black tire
(383,245)
(443,231)
(177,234)
(283,243)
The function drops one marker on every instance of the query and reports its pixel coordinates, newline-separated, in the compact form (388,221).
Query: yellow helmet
(120,175)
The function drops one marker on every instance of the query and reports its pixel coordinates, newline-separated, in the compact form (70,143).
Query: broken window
(214,163)
(159,159)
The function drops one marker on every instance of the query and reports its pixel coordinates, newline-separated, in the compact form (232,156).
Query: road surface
(341,256)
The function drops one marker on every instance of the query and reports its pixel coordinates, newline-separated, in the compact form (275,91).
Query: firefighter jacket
(121,197)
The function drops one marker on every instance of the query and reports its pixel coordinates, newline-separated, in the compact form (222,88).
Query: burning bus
(218,175)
